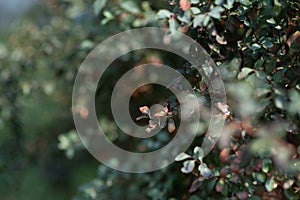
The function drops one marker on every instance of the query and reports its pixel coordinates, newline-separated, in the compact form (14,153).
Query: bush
(255,45)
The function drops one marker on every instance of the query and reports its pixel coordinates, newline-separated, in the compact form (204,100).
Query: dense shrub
(255,45)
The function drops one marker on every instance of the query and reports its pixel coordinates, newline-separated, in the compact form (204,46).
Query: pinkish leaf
(185,4)
(171,126)
(145,110)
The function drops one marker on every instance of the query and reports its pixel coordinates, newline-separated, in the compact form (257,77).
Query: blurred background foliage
(255,45)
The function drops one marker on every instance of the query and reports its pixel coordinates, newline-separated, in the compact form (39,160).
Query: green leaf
(182,156)
(245,72)
(245,2)
(195,185)
(294,166)
(230,69)
(198,153)
(173,25)
(211,184)
(258,64)
(260,177)
(195,1)
(194,197)
(195,10)
(291,194)
(255,47)
(229,4)
(130,6)
(281,102)
(266,165)
(199,20)
(164,14)
(261,92)
(271,21)
(186,17)
(268,43)
(294,105)
(204,171)
(270,184)
(218,2)
(270,66)
(188,166)
(260,74)
(216,12)
(98,6)
(206,20)
(277,77)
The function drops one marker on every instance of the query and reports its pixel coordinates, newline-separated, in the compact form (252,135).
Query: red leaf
(185,4)
(224,155)
(220,185)
(242,195)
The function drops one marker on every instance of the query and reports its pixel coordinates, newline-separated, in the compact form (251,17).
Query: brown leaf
(224,171)
(292,39)
(224,155)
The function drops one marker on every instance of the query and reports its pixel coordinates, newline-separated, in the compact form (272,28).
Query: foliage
(255,45)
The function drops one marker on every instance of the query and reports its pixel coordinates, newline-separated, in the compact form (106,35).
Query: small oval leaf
(270,184)
(182,156)
(188,166)
(171,126)
(185,4)
(245,71)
